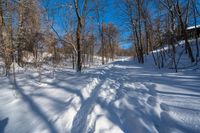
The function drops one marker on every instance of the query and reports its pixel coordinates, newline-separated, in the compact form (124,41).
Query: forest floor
(122,96)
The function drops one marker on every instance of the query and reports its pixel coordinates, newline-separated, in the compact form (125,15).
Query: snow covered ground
(122,96)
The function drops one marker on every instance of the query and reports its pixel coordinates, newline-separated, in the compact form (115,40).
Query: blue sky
(112,15)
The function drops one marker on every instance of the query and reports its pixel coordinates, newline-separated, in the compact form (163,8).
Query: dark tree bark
(78,31)
(184,32)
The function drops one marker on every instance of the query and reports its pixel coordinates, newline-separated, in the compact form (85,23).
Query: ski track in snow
(119,97)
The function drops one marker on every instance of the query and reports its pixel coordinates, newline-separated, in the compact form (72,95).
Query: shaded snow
(14,66)
(122,96)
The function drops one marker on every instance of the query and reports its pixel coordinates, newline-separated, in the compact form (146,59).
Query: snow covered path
(119,97)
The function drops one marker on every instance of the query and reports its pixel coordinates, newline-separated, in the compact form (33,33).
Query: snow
(16,68)
(122,96)
(193,27)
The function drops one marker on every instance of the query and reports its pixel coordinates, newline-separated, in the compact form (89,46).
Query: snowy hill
(164,56)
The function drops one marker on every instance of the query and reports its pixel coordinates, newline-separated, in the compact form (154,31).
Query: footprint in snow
(151,101)
(164,107)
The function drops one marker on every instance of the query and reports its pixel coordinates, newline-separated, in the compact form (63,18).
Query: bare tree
(184,28)
(194,10)
(100,14)
(6,33)
(134,17)
(111,33)
(80,13)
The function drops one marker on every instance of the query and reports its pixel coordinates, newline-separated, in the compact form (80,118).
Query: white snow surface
(122,96)
(193,27)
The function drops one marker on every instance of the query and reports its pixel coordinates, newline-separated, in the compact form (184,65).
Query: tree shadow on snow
(34,107)
(3,124)
(80,120)
(142,116)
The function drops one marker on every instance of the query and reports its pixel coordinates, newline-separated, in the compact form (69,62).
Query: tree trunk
(196,32)
(184,32)
(102,45)
(78,39)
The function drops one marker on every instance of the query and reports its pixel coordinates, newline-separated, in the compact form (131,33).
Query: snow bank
(86,91)
(15,67)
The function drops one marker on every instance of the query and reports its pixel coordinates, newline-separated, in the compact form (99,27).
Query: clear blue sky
(112,15)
